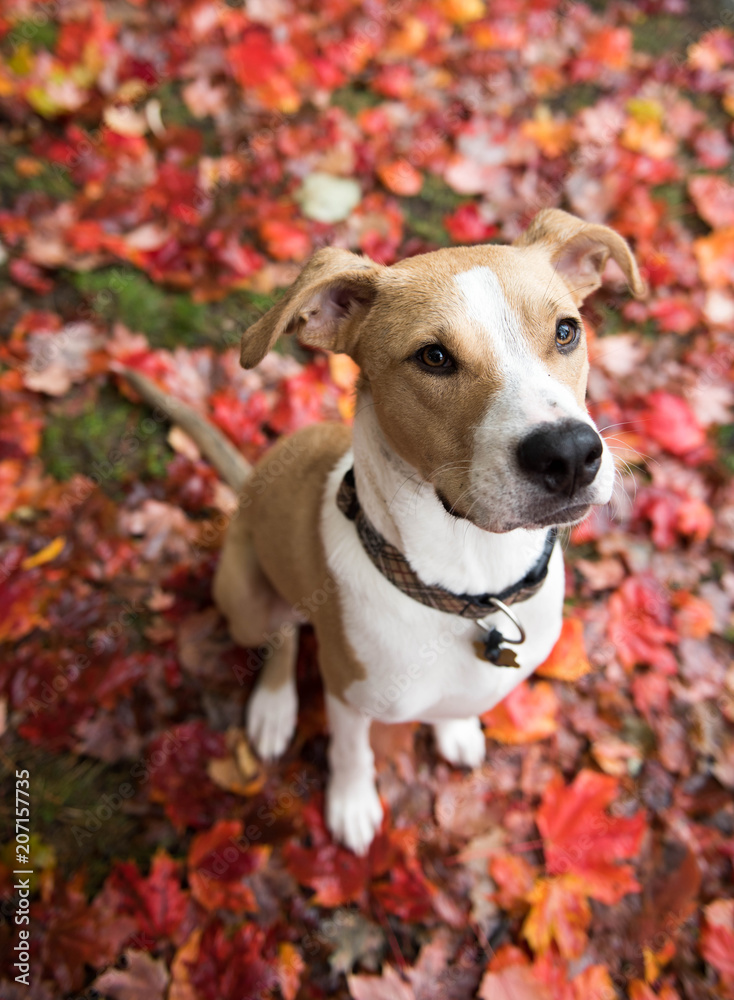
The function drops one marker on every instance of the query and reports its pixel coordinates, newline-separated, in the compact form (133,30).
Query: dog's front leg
(461,741)
(353,808)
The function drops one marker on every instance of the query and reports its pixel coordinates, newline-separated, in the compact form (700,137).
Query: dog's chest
(422,664)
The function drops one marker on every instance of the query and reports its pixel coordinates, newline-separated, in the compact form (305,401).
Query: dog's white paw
(271,719)
(353,813)
(461,741)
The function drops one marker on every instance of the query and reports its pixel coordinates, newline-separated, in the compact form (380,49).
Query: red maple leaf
(232,965)
(670,421)
(580,837)
(218,864)
(157,902)
(81,933)
(639,626)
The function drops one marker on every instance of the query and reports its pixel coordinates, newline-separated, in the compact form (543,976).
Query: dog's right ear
(323,307)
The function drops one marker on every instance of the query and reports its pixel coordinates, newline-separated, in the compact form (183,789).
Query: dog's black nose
(563,456)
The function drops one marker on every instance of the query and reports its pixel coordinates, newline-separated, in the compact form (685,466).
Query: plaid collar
(395,567)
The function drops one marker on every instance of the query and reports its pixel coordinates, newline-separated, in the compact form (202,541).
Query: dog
(421,544)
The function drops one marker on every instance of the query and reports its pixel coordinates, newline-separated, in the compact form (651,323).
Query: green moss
(110,438)
(35,36)
(67,801)
(575,97)
(424,214)
(167,318)
(52,180)
(355,97)
(663,34)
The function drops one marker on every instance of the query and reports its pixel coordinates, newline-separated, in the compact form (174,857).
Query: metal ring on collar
(501,606)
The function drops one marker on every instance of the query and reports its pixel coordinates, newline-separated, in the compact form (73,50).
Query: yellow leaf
(290,968)
(21,62)
(184,961)
(47,553)
(559,912)
(645,110)
(655,961)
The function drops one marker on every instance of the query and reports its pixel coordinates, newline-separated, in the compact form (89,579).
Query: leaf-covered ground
(163,169)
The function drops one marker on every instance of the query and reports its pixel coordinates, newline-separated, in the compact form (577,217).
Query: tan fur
(280,666)
(284,554)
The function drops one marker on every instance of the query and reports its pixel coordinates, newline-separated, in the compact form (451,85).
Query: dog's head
(476,361)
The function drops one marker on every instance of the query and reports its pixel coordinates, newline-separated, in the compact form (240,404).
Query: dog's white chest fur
(422,663)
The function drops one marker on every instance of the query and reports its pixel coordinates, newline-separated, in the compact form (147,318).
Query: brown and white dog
(471,439)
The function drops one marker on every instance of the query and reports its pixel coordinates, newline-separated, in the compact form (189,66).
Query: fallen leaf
(568,660)
(45,555)
(143,978)
(388,986)
(527,714)
(581,838)
(560,913)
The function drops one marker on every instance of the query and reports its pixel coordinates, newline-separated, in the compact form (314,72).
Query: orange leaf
(594,981)
(693,617)
(514,878)
(463,11)
(567,660)
(527,714)
(401,178)
(560,912)
(580,837)
(610,47)
(641,991)
(184,961)
(552,136)
(715,256)
(290,968)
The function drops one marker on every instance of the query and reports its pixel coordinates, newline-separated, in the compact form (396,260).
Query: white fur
(271,718)
(353,808)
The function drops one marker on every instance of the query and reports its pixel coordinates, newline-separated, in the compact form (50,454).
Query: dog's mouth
(567,515)
(448,507)
(571,514)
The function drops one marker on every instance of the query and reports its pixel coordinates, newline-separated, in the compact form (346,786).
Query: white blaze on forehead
(487,307)
(533,393)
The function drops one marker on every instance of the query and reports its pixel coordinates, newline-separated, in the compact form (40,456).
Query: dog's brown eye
(567,333)
(436,357)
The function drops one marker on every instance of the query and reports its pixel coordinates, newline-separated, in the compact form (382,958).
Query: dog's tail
(230,464)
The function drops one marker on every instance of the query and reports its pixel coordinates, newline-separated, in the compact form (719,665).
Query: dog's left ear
(579,251)
(323,306)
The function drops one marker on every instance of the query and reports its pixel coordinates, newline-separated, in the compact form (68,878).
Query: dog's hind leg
(259,617)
